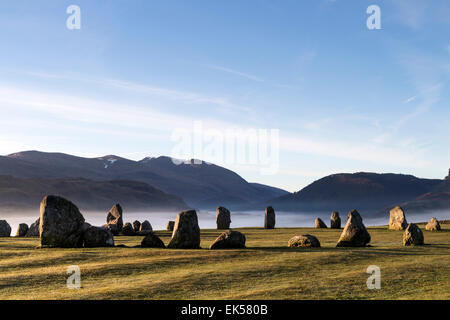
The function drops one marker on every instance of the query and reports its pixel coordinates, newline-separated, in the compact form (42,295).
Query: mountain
(362,191)
(436,200)
(27,193)
(200,185)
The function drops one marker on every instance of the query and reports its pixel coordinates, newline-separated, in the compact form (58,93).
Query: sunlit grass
(267,269)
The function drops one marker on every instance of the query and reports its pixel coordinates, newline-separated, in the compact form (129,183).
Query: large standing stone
(33,230)
(61,223)
(5,229)
(269,221)
(151,240)
(22,230)
(97,237)
(127,230)
(412,236)
(114,219)
(305,240)
(355,233)
(136,226)
(229,240)
(335,220)
(320,224)
(186,232)
(397,219)
(170,225)
(433,225)
(223,218)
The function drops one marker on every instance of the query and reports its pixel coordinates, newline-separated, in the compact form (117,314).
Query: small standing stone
(146,227)
(320,224)
(97,237)
(335,220)
(114,219)
(305,240)
(151,240)
(433,225)
(229,240)
(127,229)
(223,218)
(22,230)
(355,233)
(186,232)
(413,236)
(5,229)
(269,222)
(136,226)
(397,219)
(170,225)
(33,230)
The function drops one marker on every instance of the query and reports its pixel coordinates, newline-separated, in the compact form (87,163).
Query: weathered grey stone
(269,221)
(136,226)
(413,236)
(223,218)
(320,224)
(170,225)
(355,233)
(397,219)
(33,230)
(115,219)
(229,240)
(186,232)
(22,230)
(5,229)
(127,230)
(97,237)
(146,226)
(335,220)
(433,225)
(305,240)
(151,240)
(61,223)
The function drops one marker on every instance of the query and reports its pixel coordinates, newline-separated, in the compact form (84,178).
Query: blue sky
(344,98)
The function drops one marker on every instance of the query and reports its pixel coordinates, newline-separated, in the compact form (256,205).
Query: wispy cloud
(410,99)
(238,73)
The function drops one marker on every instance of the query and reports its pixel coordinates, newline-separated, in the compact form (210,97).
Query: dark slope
(27,193)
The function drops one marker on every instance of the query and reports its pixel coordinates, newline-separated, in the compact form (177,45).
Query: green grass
(267,269)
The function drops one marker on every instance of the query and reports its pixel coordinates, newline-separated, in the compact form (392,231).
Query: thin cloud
(410,99)
(238,73)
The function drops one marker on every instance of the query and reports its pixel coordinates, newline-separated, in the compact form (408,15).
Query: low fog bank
(207,219)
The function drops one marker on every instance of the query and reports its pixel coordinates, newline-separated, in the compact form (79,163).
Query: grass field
(267,269)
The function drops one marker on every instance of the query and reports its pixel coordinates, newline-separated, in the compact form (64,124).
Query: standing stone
(127,230)
(305,240)
(269,222)
(136,226)
(355,233)
(33,230)
(335,220)
(151,240)
(146,227)
(61,223)
(229,240)
(5,229)
(412,236)
(397,219)
(97,237)
(114,219)
(433,225)
(22,230)
(186,232)
(320,224)
(170,225)
(223,218)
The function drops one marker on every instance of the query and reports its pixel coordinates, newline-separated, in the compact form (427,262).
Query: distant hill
(363,191)
(438,198)
(27,193)
(199,185)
